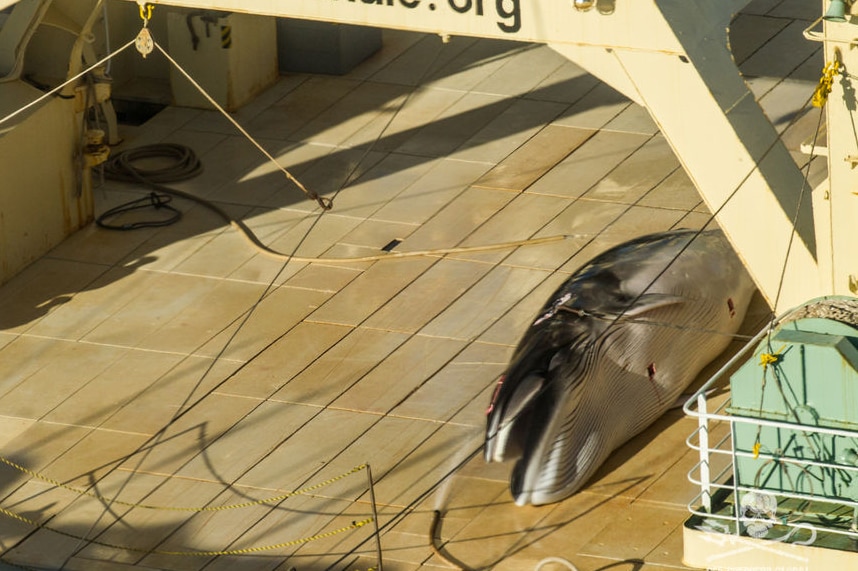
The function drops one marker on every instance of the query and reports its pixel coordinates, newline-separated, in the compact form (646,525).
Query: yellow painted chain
(243,551)
(111,501)
(820,94)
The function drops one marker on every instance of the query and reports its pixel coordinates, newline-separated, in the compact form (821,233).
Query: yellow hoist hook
(144,42)
(145,11)
(820,94)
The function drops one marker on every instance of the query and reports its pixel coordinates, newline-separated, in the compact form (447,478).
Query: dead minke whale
(609,353)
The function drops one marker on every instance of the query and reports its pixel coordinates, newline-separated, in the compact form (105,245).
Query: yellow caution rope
(241,551)
(112,501)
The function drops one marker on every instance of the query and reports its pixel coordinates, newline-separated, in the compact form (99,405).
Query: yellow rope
(767,359)
(99,497)
(257,549)
(243,551)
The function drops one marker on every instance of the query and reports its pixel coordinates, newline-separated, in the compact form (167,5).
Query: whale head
(608,353)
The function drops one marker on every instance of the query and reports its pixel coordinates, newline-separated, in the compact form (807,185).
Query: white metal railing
(755,510)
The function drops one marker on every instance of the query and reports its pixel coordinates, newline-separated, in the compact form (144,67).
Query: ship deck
(146,371)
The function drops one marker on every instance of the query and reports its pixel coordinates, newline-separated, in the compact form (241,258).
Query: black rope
(181,164)
(155,200)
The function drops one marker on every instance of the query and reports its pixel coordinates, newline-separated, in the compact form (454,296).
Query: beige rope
(62,85)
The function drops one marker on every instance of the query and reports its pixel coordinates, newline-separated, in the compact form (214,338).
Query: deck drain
(392,244)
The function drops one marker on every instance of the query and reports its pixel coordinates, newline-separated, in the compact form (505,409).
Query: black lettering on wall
(507,11)
(514,13)
(463,9)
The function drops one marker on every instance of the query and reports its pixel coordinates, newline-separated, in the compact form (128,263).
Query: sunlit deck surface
(180,367)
